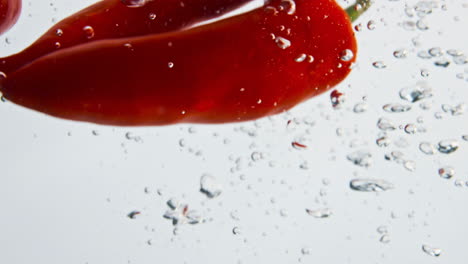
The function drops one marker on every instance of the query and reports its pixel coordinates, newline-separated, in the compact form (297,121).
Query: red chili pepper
(112,19)
(245,67)
(9,13)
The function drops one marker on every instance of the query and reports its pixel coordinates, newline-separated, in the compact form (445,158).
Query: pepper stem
(357,9)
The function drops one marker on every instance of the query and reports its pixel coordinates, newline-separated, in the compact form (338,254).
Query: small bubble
(370,185)
(446,172)
(347,55)
(382,229)
(385,239)
(89,32)
(371,25)
(290,8)
(400,54)
(413,129)
(283,212)
(448,146)
(409,25)
(444,63)
(306,251)
(409,165)
(152,16)
(236,231)
(337,99)
(460,60)
(422,25)
(256,156)
(431,251)
(385,124)
(358,27)
(209,186)
(282,42)
(170,65)
(454,52)
(454,110)
(396,108)
(360,108)
(360,158)
(3,76)
(59,32)
(416,92)
(300,57)
(383,141)
(427,148)
(424,54)
(424,73)
(436,52)
(379,65)
(458,183)
(319,213)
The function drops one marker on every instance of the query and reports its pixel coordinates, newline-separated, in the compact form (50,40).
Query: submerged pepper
(241,68)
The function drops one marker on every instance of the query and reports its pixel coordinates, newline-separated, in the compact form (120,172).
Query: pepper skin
(110,19)
(9,13)
(241,68)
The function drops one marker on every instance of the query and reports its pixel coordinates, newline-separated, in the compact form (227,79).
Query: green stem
(356,10)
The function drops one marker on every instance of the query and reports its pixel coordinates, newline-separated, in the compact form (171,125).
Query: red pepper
(9,13)
(245,67)
(111,19)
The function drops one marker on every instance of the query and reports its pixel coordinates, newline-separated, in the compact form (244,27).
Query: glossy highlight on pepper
(9,13)
(256,64)
(112,19)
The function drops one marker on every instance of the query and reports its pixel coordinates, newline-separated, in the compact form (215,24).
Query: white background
(66,187)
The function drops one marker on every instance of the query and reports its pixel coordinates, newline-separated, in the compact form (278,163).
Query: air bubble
(300,57)
(371,25)
(291,8)
(448,146)
(432,251)
(383,141)
(413,129)
(360,108)
(89,32)
(396,108)
(415,93)
(385,124)
(422,25)
(134,3)
(446,172)
(319,213)
(347,55)
(360,158)
(209,186)
(370,185)
(424,73)
(379,65)
(436,52)
(282,42)
(444,63)
(427,148)
(236,231)
(400,54)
